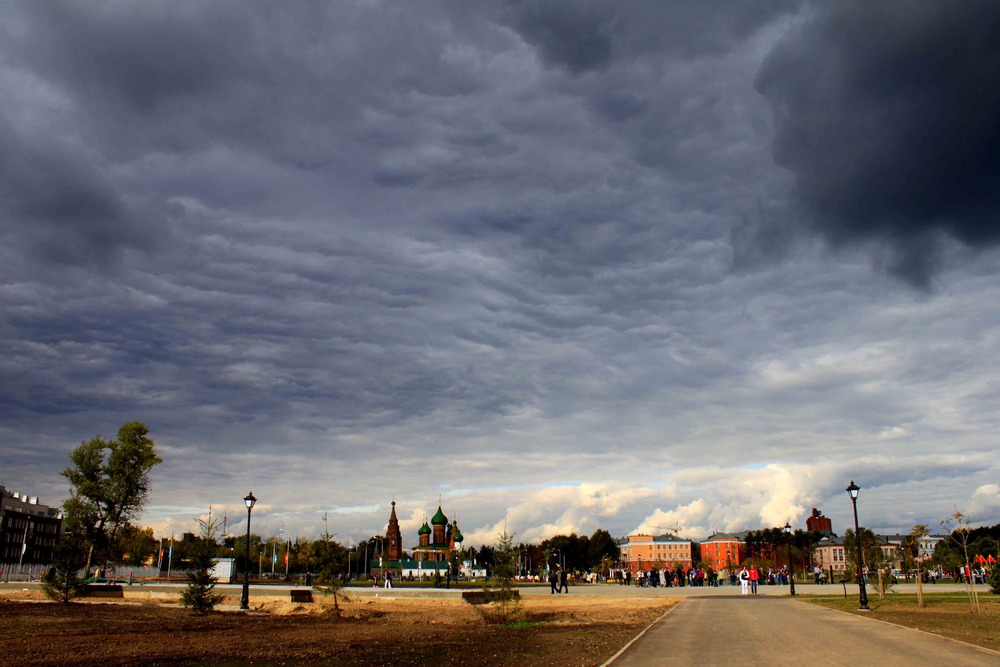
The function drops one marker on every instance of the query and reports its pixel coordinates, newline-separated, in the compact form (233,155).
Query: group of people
(749,579)
(386,579)
(665,578)
(559,581)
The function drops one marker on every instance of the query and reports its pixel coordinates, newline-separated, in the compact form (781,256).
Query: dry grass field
(947,615)
(557,631)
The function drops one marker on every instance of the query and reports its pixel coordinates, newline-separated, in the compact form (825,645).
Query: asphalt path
(768,630)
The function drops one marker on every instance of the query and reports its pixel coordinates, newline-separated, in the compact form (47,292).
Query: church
(436,543)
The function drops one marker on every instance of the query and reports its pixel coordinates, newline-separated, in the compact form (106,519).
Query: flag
(286,558)
(274,558)
(24,547)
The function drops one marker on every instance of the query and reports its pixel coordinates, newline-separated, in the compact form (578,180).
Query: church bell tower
(393,538)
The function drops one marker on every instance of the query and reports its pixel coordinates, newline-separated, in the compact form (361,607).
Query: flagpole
(170,555)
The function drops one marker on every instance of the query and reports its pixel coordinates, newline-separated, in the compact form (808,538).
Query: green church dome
(439,519)
(424,529)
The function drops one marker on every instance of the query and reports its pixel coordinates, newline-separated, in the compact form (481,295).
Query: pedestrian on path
(744,581)
(563,582)
(754,578)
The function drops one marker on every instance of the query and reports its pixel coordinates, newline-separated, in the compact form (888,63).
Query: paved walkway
(775,631)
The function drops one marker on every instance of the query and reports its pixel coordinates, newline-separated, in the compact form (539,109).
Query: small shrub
(200,593)
(62,583)
(505,602)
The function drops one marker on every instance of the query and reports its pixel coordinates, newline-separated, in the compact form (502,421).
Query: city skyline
(561,265)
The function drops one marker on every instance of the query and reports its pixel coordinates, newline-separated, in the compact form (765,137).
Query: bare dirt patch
(563,631)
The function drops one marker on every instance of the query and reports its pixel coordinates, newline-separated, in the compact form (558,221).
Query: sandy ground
(558,630)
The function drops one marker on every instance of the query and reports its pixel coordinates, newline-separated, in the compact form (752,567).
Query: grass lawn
(945,614)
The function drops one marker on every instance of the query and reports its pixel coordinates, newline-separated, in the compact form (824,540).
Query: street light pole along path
(791,570)
(853,490)
(245,598)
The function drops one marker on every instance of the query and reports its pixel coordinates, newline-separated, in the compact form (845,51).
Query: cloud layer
(561,266)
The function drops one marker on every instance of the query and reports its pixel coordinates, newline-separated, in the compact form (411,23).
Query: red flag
(991,559)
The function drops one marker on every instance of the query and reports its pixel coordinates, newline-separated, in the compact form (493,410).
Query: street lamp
(863,596)
(381,550)
(245,599)
(791,571)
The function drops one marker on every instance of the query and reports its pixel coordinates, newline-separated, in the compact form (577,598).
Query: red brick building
(644,552)
(723,551)
(819,523)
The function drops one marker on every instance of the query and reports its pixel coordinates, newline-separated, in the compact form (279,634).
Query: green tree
(199,594)
(504,601)
(601,547)
(109,486)
(139,545)
(874,558)
(327,555)
(994,580)
(62,583)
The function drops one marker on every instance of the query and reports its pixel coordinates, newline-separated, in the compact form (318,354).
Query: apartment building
(723,551)
(641,553)
(28,530)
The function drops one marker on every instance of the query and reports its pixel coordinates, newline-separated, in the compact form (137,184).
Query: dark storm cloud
(888,115)
(574,35)
(57,203)
(584,36)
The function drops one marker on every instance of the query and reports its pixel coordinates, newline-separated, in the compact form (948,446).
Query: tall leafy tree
(602,547)
(109,487)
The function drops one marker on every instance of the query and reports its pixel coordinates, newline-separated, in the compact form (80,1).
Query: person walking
(744,577)
(553,582)
(563,582)
(388,579)
(754,578)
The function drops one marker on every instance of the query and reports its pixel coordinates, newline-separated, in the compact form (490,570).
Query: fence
(11,572)
(34,572)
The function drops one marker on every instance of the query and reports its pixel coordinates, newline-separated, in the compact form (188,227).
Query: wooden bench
(301,595)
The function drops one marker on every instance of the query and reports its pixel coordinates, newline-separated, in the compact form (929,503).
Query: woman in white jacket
(744,581)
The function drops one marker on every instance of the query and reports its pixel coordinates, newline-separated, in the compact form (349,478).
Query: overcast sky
(564,265)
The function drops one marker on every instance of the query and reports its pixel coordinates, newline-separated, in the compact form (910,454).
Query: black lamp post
(863,596)
(245,599)
(791,570)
